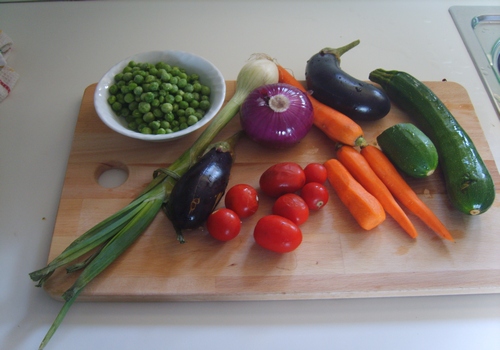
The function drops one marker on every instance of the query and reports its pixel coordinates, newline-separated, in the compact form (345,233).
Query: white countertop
(62,47)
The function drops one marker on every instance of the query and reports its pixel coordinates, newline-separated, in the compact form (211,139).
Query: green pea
(174,89)
(165,87)
(192,120)
(166,107)
(148,117)
(164,124)
(176,71)
(147,97)
(164,76)
(138,91)
(150,78)
(129,98)
(118,77)
(158,113)
(197,87)
(138,78)
(160,131)
(170,99)
(144,107)
(169,117)
(154,86)
(204,105)
(124,112)
(116,106)
(153,71)
(174,80)
(127,76)
(188,97)
(146,130)
(132,126)
(113,89)
(205,90)
(182,83)
(111,99)
(194,104)
(154,125)
(136,113)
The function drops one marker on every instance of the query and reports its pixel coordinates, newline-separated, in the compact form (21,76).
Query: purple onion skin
(271,127)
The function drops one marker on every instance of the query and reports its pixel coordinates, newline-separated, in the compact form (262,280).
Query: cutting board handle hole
(111,174)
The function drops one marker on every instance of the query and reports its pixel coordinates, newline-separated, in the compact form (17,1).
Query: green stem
(57,322)
(341,50)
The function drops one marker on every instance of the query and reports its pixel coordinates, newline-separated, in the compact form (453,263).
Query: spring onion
(111,237)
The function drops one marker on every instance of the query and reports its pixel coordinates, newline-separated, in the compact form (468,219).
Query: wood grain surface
(337,258)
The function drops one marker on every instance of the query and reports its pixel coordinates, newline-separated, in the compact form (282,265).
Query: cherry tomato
(315,195)
(277,234)
(315,172)
(223,224)
(281,178)
(242,199)
(292,207)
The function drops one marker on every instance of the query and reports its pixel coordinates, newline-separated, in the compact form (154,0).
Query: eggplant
(329,84)
(197,192)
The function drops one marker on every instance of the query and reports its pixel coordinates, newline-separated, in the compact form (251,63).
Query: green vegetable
(115,234)
(409,149)
(142,90)
(468,181)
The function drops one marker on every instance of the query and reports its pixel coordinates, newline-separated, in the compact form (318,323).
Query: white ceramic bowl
(208,73)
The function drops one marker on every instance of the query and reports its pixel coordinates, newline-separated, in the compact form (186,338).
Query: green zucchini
(409,149)
(468,182)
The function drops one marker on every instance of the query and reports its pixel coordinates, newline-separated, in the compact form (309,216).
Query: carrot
(359,168)
(388,173)
(337,126)
(363,206)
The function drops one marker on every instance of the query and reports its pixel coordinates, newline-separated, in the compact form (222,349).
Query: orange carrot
(363,206)
(388,173)
(359,168)
(337,126)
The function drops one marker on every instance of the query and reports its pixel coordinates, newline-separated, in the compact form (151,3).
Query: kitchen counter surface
(60,48)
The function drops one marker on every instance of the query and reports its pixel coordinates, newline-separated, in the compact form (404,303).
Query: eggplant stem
(337,52)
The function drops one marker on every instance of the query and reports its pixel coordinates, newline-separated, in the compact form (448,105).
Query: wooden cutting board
(337,258)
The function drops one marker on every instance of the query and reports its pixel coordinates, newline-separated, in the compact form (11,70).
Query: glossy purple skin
(330,85)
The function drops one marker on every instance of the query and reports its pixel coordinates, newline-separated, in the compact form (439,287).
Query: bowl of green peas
(159,95)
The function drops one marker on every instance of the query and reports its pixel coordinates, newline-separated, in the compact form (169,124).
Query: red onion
(276,115)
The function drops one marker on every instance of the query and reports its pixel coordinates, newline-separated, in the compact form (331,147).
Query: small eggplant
(329,84)
(197,192)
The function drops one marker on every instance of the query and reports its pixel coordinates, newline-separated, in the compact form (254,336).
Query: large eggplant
(329,84)
(197,192)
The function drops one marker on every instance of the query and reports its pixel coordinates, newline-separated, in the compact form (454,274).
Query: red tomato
(277,233)
(223,224)
(242,199)
(315,195)
(281,178)
(292,207)
(315,172)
